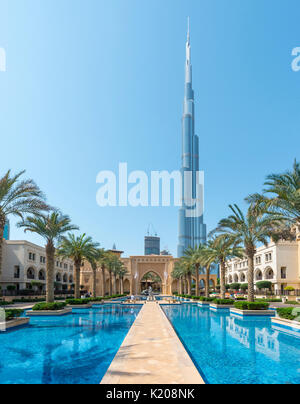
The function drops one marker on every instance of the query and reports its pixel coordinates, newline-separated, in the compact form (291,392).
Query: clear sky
(91,83)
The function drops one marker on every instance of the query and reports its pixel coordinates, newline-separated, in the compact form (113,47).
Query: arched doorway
(151,279)
(126,286)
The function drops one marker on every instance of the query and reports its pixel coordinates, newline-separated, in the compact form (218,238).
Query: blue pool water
(73,349)
(230,350)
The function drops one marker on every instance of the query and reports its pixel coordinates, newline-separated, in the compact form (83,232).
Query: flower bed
(251,305)
(49,306)
(223,302)
(12,314)
(289,313)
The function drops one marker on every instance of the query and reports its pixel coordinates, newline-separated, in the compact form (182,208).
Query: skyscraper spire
(192,230)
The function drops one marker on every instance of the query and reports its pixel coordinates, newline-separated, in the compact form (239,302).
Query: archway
(202,284)
(243,278)
(126,286)
(30,273)
(151,279)
(42,275)
(258,275)
(269,274)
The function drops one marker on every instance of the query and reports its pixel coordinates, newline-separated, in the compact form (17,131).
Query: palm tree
(116,264)
(78,248)
(51,227)
(94,260)
(18,198)
(122,272)
(195,256)
(249,230)
(103,262)
(218,251)
(178,274)
(188,270)
(110,262)
(284,191)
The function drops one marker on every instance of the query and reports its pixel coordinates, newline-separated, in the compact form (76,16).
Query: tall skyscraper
(192,230)
(152,245)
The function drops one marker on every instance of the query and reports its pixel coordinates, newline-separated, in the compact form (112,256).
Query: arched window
(258,275)
(30,273)
(236,278)
(65,278)
(42,276)
(269,274)
(243,277)
(71,279)
(58,277)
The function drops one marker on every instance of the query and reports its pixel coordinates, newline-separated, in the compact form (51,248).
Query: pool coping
(290,324)
(15,323)
(254,313)
(43,313)
(134,348)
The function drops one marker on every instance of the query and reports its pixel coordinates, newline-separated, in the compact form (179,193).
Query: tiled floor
(152,354)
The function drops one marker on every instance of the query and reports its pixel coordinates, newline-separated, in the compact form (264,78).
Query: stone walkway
(152,354)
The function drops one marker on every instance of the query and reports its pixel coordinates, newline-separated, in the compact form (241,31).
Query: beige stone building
(278,263)
(25,262)
(138,266)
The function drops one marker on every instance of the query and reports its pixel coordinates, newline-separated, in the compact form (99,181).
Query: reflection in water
(229,350)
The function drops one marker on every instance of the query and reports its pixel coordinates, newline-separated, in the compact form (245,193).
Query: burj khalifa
(192,230)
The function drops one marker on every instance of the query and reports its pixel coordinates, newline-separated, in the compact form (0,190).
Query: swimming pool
(73,349)
(231,350)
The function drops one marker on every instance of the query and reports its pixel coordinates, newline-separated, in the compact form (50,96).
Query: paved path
(152,354)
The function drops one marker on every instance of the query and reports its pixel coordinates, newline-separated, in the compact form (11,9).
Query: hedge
(12,313)
(269,300)
(207,299)
(223,301)
(251,305)
(76,302)
(49,306)
(289,313)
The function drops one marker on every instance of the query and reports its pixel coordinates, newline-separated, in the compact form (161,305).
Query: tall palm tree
(77,248)
(281,195)
(94,261)
(111,262)
(249,230)
(51,227)
(103,262)
(218,251)
(195,256)
(188,270)
(116,267)
(178,274)
(18,198)
(122,273)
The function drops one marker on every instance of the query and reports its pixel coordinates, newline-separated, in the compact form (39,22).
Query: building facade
(24,265)
(192,230)
(152,245)
(278,263)
(137,267)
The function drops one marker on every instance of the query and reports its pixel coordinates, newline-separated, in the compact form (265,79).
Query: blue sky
(93,83)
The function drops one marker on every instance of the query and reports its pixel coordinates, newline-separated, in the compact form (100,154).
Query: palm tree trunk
(94,282)
(50,254)
(110,283)
(77,279)
(122,285)
(115,284)
(180,286)
(189,284)
(197,280)
(207,281)
(2,225)
(103,281)
(222,279)
(251,278)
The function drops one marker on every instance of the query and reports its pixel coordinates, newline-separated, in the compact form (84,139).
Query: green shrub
(207,299)
(223,301)
(196,297)
(289,313)
(77,302)
(240,298)
(244,286)
(49,306)
(12,313)
(251,305)
(291,302)
(235,286)
(264,285)
(4,303)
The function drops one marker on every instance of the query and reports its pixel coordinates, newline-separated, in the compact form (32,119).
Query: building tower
(192,230)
